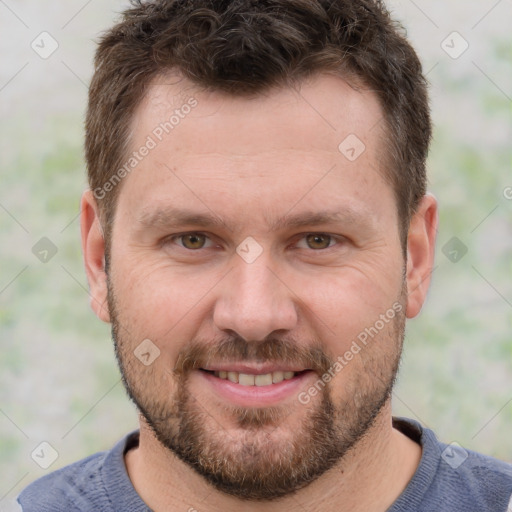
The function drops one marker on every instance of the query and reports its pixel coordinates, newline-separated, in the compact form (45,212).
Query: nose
(254,302)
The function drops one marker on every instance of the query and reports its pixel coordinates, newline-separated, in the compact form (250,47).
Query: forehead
(325,107)
(324,135)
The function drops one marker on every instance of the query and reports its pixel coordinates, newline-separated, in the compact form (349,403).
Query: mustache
(235,349)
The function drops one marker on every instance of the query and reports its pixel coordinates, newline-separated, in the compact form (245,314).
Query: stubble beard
(262,458)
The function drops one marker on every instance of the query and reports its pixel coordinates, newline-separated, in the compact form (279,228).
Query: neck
(369,478)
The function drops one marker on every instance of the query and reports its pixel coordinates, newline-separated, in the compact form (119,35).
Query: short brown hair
(244,47)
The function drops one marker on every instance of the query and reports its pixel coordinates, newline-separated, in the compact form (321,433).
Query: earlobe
(93,248)
(420,253)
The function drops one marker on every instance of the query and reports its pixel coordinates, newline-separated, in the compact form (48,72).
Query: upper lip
(252,369)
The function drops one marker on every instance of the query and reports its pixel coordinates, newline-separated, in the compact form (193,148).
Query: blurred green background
(58,377)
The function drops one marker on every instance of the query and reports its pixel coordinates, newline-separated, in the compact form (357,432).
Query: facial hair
(263,458)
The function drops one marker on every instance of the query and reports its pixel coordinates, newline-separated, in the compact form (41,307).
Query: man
(257,231)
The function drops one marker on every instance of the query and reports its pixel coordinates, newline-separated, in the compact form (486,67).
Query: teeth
(277,377)
(263,380)
(245,379)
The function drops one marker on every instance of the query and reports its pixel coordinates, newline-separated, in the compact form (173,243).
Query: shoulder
(74,487)
(479,481)
(452,478)
(93,483)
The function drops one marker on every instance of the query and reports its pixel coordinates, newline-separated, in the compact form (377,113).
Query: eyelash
(334,240)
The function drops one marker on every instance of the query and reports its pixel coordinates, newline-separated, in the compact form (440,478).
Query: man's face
(247,242)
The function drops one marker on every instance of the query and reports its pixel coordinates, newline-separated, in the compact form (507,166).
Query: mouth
(258,379)
(252,388)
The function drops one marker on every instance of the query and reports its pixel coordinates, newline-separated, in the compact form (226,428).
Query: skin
(251,162)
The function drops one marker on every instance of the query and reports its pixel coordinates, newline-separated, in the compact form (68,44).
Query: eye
(317,241)
(193,241)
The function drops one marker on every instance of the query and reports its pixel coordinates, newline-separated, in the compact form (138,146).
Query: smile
(255,389)
(247,379)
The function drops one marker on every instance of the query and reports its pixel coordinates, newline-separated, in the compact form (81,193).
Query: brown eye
(193,241)
(318,241)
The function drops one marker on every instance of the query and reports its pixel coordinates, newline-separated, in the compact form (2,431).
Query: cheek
(367,361)
(160,303)
(342,305)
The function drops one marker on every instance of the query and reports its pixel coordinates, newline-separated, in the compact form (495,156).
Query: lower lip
(257,396)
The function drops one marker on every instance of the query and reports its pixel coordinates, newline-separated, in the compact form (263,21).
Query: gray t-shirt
(448,478)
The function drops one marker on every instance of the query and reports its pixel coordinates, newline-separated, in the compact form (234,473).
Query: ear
(420,253)
(93,248)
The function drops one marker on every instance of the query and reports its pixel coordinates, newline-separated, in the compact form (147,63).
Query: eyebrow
(175,217)
(346,215)
(171,217)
